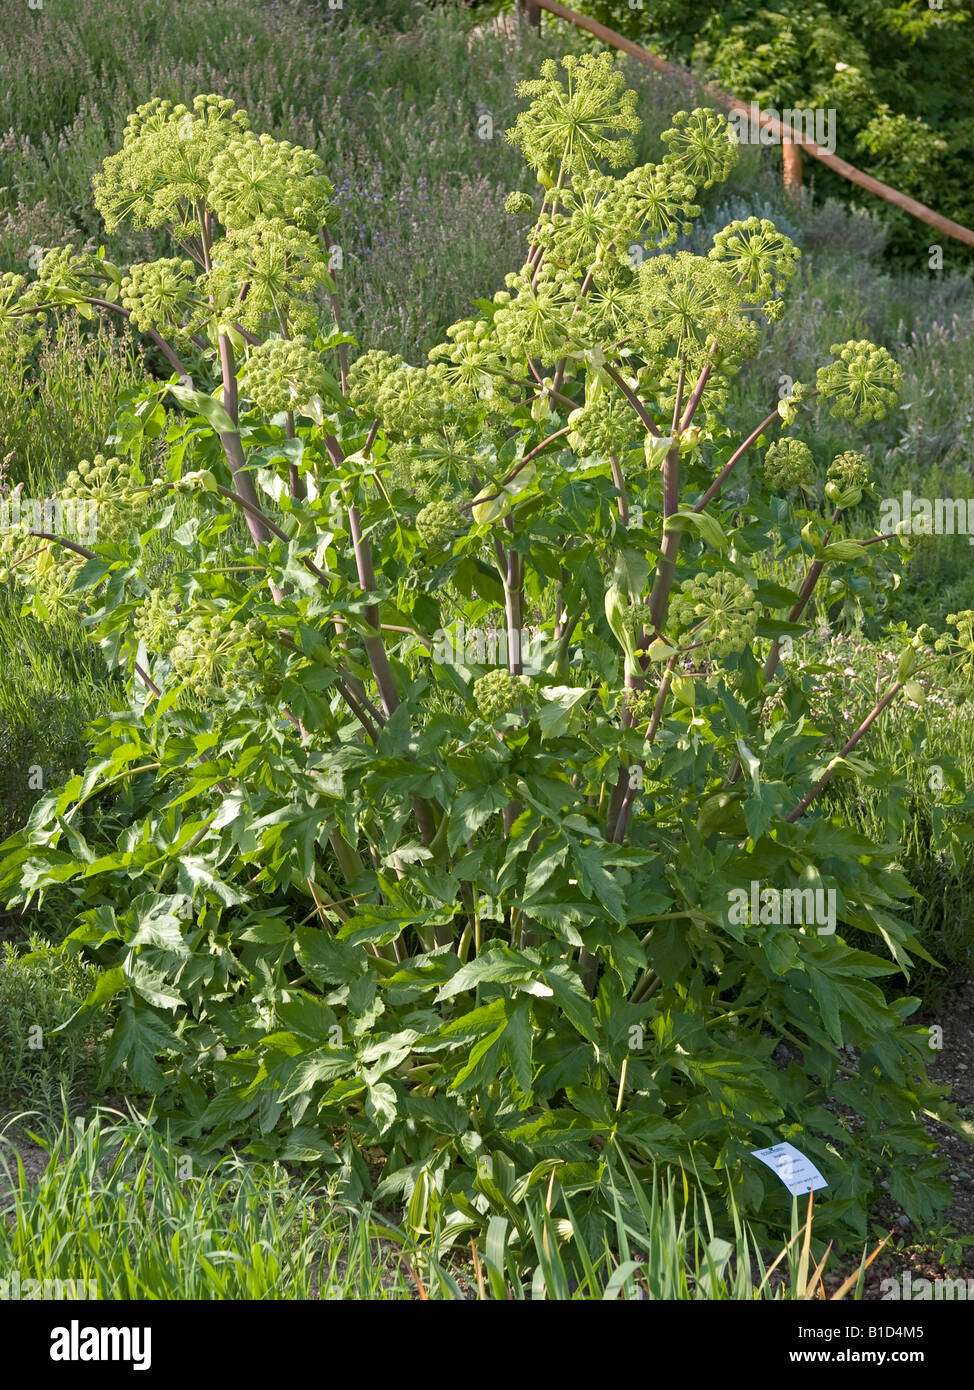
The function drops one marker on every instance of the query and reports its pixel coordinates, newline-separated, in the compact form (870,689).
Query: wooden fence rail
(794,144)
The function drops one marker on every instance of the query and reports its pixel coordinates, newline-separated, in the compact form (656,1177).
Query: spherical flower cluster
(583,224)
(67,270)
(499,693)
(653,203)
(408,400)
(366,375)
(849,470)
(602,426)
(257,176)
(282,373)
(213,652)
(437,523)
(155,623)
(773,310)
(611,305)
(517,204)
(692,301)
(863,382)
(535,320)
(283,266)
(639,705)
(115,487)
(958,649)
(411,400)
(720,611)
(202,169)
(964,623)
(789,464)
(760,257)
(437,462)
(20,328)
(165,162)
(470,359)
(158,293)
(579,125)
(701,143)
(43,569)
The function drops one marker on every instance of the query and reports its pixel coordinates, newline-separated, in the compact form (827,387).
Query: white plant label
(796,1171)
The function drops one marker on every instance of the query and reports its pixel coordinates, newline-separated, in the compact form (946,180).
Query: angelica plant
(365,898)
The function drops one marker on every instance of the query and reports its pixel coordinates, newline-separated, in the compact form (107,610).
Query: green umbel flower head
(414,399)
(65,270)
(847,477)
(719,610)
(760,257)
(603,426)
(517,204)
(580,123)
(789,464)
(863,382)
(165,164)
(158,293)
(20,328)
(691,301)
(536,319)
(469,358)
(214,652)
(653,204)
(499,693)
(43,571)
(282,374)
(959,648)
(156,623)
(702,145)
(438,522)
(116,488)
(255,178)
(640,704)
(849,470)
(282,267)
(365,378)
(409,401)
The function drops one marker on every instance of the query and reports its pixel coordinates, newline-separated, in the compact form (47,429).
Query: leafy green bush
(368,891)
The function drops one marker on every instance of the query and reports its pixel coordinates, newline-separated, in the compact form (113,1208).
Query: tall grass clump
(39,991)
(118,1212)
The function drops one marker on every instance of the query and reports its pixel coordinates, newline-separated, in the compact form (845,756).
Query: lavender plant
(360,894)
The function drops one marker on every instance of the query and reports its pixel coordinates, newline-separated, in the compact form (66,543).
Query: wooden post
(792,163)
(530,12)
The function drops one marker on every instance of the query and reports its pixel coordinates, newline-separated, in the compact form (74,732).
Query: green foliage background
(894,73)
